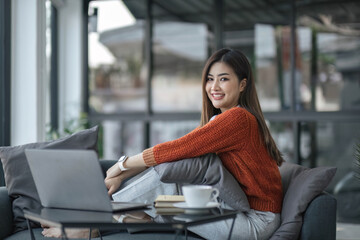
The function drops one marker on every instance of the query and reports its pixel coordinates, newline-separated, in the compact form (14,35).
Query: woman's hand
(113,184)
(134,164)
(113,171)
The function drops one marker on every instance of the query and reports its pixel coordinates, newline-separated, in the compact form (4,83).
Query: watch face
(121,163)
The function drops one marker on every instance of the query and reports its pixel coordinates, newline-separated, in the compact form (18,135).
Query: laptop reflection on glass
(72,179)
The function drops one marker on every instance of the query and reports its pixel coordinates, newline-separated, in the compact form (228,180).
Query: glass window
(119,138)
(115,59)
(273,67)
(265,67)
(327,73)
(330,50)
(162,131)
(329,144)
(338,77)
(180,51)
(303,68)
(336,145)
(283,136)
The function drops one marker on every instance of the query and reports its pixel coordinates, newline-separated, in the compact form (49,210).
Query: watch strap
(121,218)
(121,163)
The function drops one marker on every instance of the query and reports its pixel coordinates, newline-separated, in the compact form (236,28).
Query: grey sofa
(318,220)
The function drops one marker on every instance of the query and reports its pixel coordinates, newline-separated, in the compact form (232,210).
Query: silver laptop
(72,179)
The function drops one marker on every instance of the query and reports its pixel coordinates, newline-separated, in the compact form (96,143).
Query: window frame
(5,77)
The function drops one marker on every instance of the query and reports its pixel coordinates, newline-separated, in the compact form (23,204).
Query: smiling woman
(223,87)
(239,137)
(235,66)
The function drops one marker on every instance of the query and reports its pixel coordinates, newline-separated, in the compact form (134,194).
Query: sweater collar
(213,117)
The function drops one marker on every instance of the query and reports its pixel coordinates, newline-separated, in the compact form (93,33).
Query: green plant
(71,126)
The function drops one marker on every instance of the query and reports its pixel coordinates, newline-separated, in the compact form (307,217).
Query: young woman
(233,127)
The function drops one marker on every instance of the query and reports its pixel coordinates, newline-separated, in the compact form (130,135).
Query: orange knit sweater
(234,136)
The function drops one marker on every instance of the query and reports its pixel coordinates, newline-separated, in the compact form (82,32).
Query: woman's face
(223,87)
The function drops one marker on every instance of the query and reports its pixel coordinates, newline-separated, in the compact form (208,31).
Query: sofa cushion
(6,218)
(319,219)
(208,170)
(18,178)
(301,185)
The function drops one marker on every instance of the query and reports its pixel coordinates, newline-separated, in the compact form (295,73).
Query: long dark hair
(248,98)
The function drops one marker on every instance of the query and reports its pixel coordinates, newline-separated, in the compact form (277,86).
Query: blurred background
(134,68)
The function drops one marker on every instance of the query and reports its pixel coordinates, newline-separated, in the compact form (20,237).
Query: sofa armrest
(319,220)
(6,219)
(106,164)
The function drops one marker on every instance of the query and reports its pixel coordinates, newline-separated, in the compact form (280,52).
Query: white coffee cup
(199,195)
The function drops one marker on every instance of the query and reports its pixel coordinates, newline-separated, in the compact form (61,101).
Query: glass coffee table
(144,219)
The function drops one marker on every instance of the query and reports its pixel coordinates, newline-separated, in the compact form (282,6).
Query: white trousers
(146,186)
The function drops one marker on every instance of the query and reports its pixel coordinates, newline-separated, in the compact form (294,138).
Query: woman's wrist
(130,173)
(135,161)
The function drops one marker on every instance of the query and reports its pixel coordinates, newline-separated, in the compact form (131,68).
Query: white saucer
(209,205)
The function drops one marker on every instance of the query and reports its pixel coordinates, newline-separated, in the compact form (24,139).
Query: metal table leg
(100,234)
(30,229)
(232,227)
(178,233)
(63,233)
(90,233)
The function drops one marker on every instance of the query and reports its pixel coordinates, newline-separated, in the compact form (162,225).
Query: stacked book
(164,204)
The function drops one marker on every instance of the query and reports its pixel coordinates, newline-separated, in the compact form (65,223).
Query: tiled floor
(347,231)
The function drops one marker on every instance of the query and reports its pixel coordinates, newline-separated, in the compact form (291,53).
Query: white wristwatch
(121,163)
(121,218)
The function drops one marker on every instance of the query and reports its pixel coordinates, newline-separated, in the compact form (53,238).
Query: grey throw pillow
(208,170)
(18,178)
(300,185)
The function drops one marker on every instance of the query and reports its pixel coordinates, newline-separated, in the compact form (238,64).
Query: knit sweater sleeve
(225,133)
